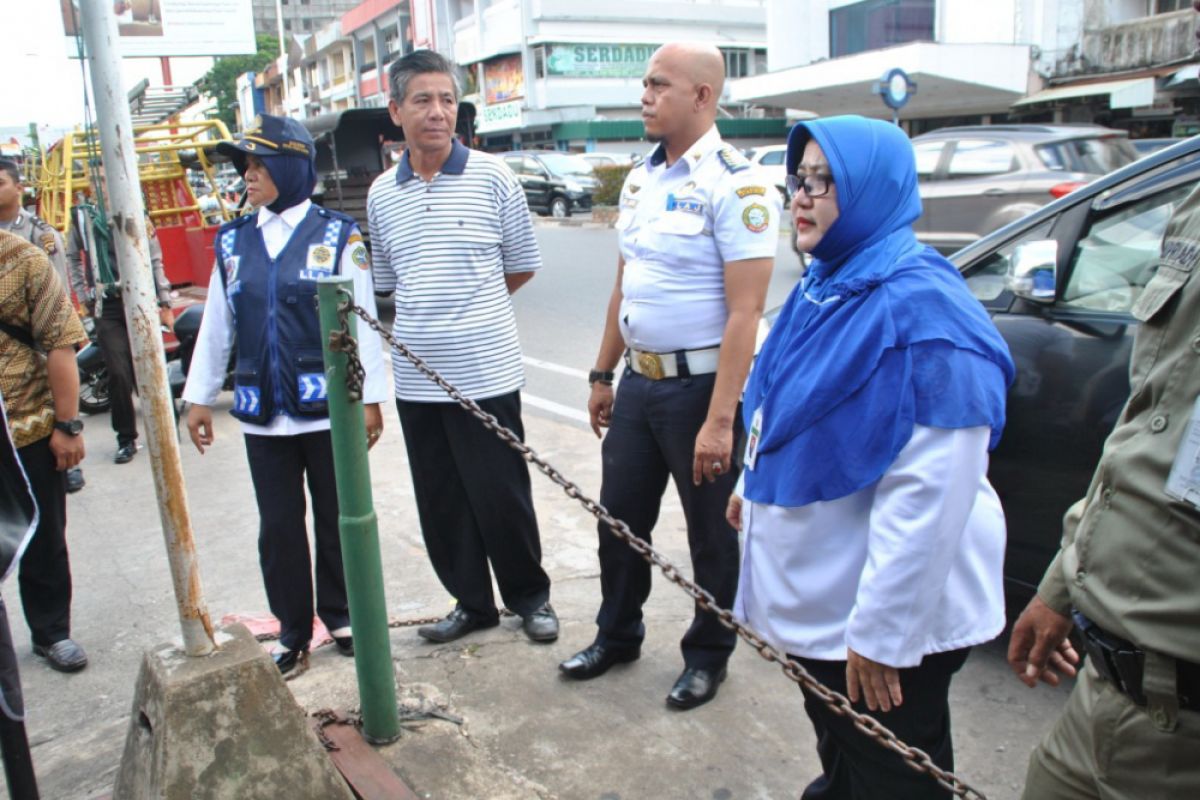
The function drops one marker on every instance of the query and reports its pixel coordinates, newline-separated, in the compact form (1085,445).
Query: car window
(1092,156)
(774,158)
(530,166)
(513,163)
(986,278)
(928,154)
(1117,256)
(974,157)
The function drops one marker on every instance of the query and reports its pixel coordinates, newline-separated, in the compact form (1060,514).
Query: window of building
(391,43)
(873,24)
(539,62)
(1167,6)
(307,24)
(287,24)
(737,63)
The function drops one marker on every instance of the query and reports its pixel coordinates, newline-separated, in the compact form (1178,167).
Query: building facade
(299,16)
(567,75)
(1127,63)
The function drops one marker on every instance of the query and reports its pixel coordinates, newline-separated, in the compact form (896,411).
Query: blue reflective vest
(279,368)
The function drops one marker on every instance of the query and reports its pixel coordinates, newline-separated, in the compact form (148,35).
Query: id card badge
(1184,481)
(752,439)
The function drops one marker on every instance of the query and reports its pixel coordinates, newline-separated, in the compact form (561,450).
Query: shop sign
(500,117)
(598,60)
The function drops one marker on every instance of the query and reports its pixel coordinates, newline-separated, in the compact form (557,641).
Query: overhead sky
(43,85)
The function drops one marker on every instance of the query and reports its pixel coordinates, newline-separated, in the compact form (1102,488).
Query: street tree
(220,82)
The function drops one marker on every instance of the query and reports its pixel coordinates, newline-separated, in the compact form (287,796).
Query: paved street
(525,732)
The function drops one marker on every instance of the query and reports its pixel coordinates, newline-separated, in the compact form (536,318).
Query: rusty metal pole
(128,222)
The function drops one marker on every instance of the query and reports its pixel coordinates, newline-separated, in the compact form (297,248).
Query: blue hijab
(294,177)
(882,334)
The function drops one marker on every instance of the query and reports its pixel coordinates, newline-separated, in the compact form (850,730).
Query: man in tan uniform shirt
(1129,570)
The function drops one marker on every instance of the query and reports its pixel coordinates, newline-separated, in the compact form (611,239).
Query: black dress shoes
(125,453)
(596,660)
(287,660)
(457,624)
(695,687)
(75,480)
(541,625)
(64,655)
(344,644)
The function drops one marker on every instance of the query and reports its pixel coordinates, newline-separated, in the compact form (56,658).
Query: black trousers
(858,768)
(476,505)
(652,438)
(279,467)
(113,338)
(45,571)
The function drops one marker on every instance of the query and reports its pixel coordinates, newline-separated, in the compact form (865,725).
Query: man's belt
(1121,663)
(679,364)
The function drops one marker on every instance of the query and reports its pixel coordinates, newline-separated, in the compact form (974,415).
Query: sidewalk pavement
(525,733)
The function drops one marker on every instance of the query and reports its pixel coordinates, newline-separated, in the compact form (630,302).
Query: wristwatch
(72,427)
(600,376)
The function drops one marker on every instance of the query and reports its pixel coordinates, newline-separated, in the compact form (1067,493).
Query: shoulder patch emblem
(354,237)
(733,161)
(756,218)
(634,188)
(48,243)
(358,254)
(746,191)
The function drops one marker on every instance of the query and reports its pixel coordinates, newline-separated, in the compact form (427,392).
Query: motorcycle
(94,392)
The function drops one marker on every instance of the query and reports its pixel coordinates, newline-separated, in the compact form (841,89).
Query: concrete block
(221,726)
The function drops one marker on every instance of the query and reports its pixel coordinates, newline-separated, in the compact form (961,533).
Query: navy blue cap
(269,135)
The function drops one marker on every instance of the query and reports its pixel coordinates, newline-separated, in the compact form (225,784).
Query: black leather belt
(1121,663)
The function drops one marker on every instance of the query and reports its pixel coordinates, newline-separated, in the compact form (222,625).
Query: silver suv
(975,179)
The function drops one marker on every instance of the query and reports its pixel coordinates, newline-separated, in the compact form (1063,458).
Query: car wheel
(560,208)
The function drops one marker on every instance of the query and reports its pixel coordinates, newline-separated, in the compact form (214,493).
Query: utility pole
(128,224)
(284,55)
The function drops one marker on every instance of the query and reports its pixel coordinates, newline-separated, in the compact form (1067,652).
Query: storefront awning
(1130,93)
(1185,76)
(952,80)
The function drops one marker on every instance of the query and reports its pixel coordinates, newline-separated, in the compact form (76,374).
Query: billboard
(174,27)
(503,79)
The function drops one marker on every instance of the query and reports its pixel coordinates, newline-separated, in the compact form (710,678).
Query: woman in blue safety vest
(262,301)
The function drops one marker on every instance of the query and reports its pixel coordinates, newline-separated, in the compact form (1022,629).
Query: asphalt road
(560,313)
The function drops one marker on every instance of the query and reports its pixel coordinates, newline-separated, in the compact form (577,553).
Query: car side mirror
(1033,271)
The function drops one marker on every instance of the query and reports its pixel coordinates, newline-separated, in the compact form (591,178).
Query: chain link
(915,758)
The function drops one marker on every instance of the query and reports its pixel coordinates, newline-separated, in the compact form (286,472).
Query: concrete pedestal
(220,726)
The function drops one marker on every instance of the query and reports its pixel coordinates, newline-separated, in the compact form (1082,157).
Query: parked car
(610,159)
(1059,283)
(770,158)
(556,184)
(1145,147)
(976,179)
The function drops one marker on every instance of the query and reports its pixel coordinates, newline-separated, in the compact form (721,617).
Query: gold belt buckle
(650,365)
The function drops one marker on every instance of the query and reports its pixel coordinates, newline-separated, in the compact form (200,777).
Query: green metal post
(360,531)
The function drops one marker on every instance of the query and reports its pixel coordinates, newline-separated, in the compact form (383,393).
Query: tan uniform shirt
(33,228)
(1130,558)
(32,299)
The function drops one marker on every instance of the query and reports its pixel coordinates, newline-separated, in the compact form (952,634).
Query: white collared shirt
(215,341)
(909,566)
(679,226)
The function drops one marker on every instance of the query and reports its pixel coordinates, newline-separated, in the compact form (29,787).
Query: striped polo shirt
(443,247)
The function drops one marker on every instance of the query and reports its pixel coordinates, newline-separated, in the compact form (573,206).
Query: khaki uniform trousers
(1107,748)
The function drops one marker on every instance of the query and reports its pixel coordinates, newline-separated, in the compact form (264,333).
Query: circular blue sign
(895,88)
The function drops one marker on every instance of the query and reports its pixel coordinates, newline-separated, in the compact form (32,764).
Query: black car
(555,184)
(1059,284)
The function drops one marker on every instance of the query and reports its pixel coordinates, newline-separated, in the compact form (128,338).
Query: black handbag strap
(20,334)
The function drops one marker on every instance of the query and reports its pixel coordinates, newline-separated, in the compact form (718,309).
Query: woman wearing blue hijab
(874,543)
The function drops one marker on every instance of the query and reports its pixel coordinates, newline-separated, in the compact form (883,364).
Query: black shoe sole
(625,657)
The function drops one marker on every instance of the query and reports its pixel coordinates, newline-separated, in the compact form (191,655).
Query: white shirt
(215,340)
(679,226)
(909,566)
(444,247)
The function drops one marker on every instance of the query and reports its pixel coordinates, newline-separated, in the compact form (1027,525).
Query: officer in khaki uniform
(30,227)
(1128,573)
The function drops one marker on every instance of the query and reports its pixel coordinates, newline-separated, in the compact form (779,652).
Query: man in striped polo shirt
(451,236)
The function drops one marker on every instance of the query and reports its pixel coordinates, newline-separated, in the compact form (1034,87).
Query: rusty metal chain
(342,342)
(914,757)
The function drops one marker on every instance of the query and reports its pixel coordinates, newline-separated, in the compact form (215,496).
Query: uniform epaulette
(237,222)
(732,159)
